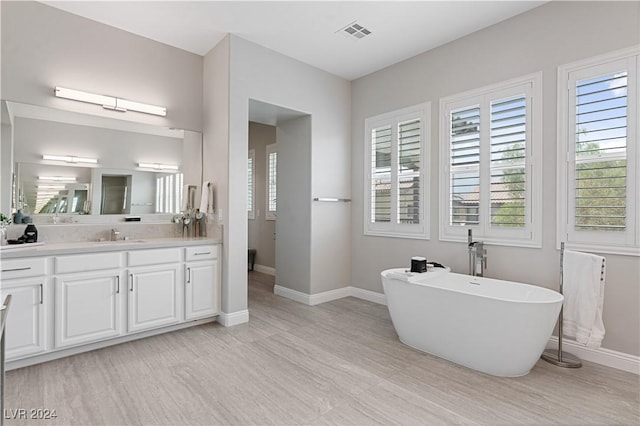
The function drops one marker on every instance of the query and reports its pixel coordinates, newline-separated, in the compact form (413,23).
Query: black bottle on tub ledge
(418,264)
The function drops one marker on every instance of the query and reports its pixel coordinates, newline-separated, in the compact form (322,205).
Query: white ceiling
(305,30)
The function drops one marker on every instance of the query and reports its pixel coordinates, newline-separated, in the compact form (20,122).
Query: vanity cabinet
(62,303)
(154,297)
(202,282)
(87,303)
(25,280)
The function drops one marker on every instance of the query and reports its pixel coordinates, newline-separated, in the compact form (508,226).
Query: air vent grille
(355,31)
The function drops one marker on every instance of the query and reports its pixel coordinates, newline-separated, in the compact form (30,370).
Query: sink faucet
(477,256)
(114,235)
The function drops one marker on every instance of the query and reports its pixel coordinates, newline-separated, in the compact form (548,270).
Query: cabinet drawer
(21,268)
(87,262)
(201,253)
(153,257)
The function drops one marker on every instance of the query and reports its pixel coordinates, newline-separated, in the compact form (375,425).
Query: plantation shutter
(250,183)
(381,145)
(601,153)
(396,191)
(464,157)
(508,143)
(272,160)
(409,168)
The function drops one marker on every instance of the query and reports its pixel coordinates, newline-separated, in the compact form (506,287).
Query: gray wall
(43,47)
(254,72)
(293,225)
(540,40)
(261,231)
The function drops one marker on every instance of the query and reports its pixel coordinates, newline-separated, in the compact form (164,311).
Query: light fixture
(70,159)
(109,102)
(49,186)
(157,166)
(57,178)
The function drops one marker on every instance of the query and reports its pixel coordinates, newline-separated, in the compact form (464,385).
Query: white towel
(583,288)
(206,198)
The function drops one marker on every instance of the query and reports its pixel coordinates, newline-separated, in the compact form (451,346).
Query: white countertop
(58,248)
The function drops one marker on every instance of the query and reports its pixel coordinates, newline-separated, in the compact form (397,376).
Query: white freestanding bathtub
(497,327)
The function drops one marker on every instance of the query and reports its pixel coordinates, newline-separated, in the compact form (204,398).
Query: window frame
(531,235)
(627,242)
(421,230)
(251,190)
(270,214)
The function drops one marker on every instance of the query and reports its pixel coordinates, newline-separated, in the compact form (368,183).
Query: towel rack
(333,200)
(559,358)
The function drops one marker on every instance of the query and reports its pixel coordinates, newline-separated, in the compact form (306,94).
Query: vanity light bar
(58,178)
(109,102)
(157,166)
(41,187)
(70,159)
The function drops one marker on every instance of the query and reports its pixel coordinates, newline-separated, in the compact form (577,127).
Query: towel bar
(334,200)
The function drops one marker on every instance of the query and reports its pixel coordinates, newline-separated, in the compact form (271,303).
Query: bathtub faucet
(477,256)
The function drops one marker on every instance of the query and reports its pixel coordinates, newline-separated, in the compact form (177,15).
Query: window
(396,188)
(490,148)
(251,183)
(169,193)
(272,169)
(598,154)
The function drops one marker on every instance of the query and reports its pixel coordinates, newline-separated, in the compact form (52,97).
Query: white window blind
(508,162)
(599,154)
(381,175)
(464,193)
(409,171)
(272,172)
(489,150)
(251,183)
(396,147)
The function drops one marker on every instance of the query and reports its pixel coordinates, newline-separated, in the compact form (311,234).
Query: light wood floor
(335,363)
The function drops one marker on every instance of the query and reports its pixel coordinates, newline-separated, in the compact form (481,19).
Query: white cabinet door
(25,328)
(153,297)
(202,290)
(87,307)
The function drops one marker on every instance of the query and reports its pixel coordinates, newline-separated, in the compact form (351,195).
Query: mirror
(70,163)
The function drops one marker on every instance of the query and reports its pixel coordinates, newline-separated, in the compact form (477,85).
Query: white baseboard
(368,295)
(294,295)
(265,269)
(233,318)
(602,356)
(311,299)
(328,296)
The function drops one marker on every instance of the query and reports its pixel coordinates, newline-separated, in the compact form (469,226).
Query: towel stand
(559,358)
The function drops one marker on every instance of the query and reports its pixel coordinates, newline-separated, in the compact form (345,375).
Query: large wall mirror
(68,163)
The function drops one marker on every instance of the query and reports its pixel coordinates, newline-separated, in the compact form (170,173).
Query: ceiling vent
(354,31)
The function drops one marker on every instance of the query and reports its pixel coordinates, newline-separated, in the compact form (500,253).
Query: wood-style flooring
(339,363)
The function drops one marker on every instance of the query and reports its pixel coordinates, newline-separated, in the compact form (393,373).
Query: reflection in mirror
(126,178)
(43,188)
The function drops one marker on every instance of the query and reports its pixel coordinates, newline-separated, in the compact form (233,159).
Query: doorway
(282,189)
